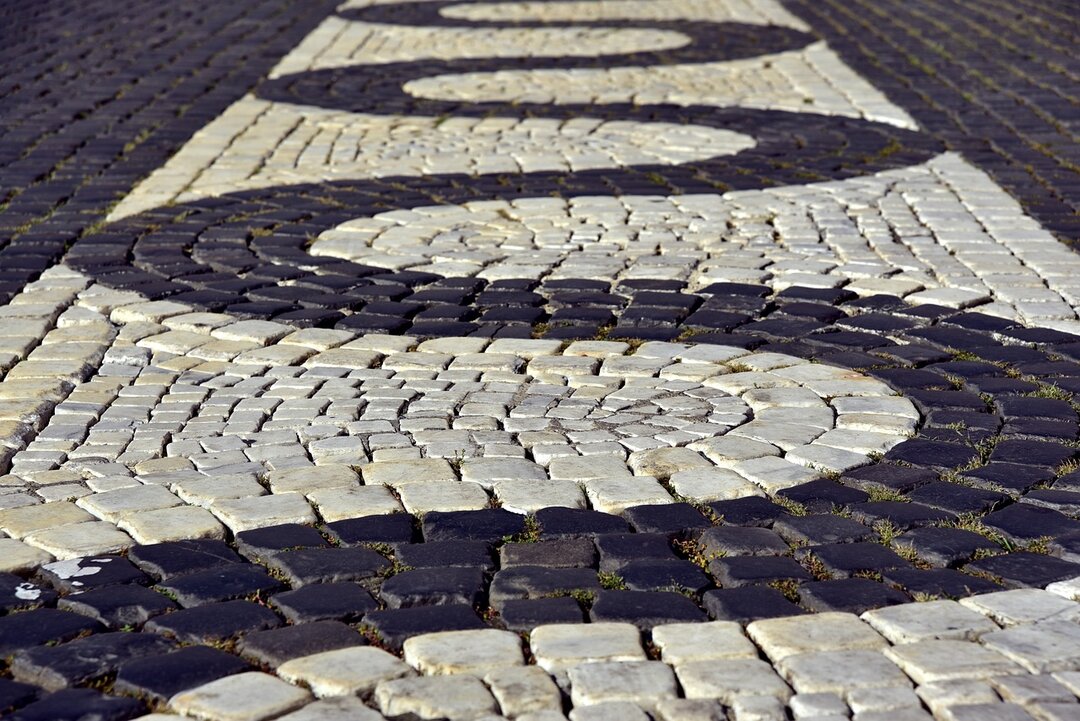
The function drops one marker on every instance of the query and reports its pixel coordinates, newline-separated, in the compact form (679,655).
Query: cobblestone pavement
(584,359)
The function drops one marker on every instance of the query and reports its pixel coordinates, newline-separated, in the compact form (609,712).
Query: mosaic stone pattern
(580,360)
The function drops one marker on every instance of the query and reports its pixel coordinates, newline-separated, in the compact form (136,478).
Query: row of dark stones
(167,617)
(89,105)
(998,82)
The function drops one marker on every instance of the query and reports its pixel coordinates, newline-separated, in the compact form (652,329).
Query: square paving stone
(939,582)
(783,637)
(14,694)
(553,553)
(490,524)
(83,574)
(645,609)
(521,582)
(522,690)
(737,541)
(344,672)
(19,594)
(118,606)
(437,554)
(525,615)
(392,627)
(76,704)
(471,652)
(260,543)
(322,565)
(434,587)
(435,697)
(840,672)
(674,575)
(887,476)
(752,511)
(278,645)
(908,623)
(42,626)
(1011,478)
(324,602)
(392,529)
(728,679)
(558,647)
(214,622)
(1022,523)
(160,677)
(672,519)
(821,529)
(956,499)
(945,546)
(640,682)
(739,571)
(224,583)
(683,642)
(1026,605)
(555,522)
(1041,647)
(822,495)
(1025,570)
(743,605)
(842,560)
(244,514)
(250,695)
(164,560)
(83,660)
(618,549)
(849,595)
(900,514)
(934,661)
(990,712)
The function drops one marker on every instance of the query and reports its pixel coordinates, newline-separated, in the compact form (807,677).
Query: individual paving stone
(669,518)
(680,576)
(1040,648)
(242,514)
(14,694)
(683,642)
(41,626)
(174,558)
(118,606)
(276,646)
(394,627)
(738,541)
(435,697)
(746,512)
(1009,608)
(640,682)
(1026,690)
(469,554)
(553,553)
(618,549)
(908,623)
(1021,523)
(77,703)
(945,546)
(344,672)
(172,524)
(115,505)
(469,652)
(522,582)
(80,574)
(840,672)
(842,560)
(944,660)
(324,602)
(220,584)
(434,587)
(783,637)
(80,539)
(743,605)
(750,570)
(821,529)
(20,522)
(323,565)
(645,609)
(263,543)
(885,699)
(523,616)
(728,679)
(1021,569)
(249,695)
(848,595)
(346,708)
(399,473)
(18,557)
(305,480)
(18,594)
(556,522)
(83,660)
(522,690)
(615,495)
(558,647)
(336,504)
(214,621)
(391,529)
(689,710)
(423,498)
(491,524)
(159,677)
